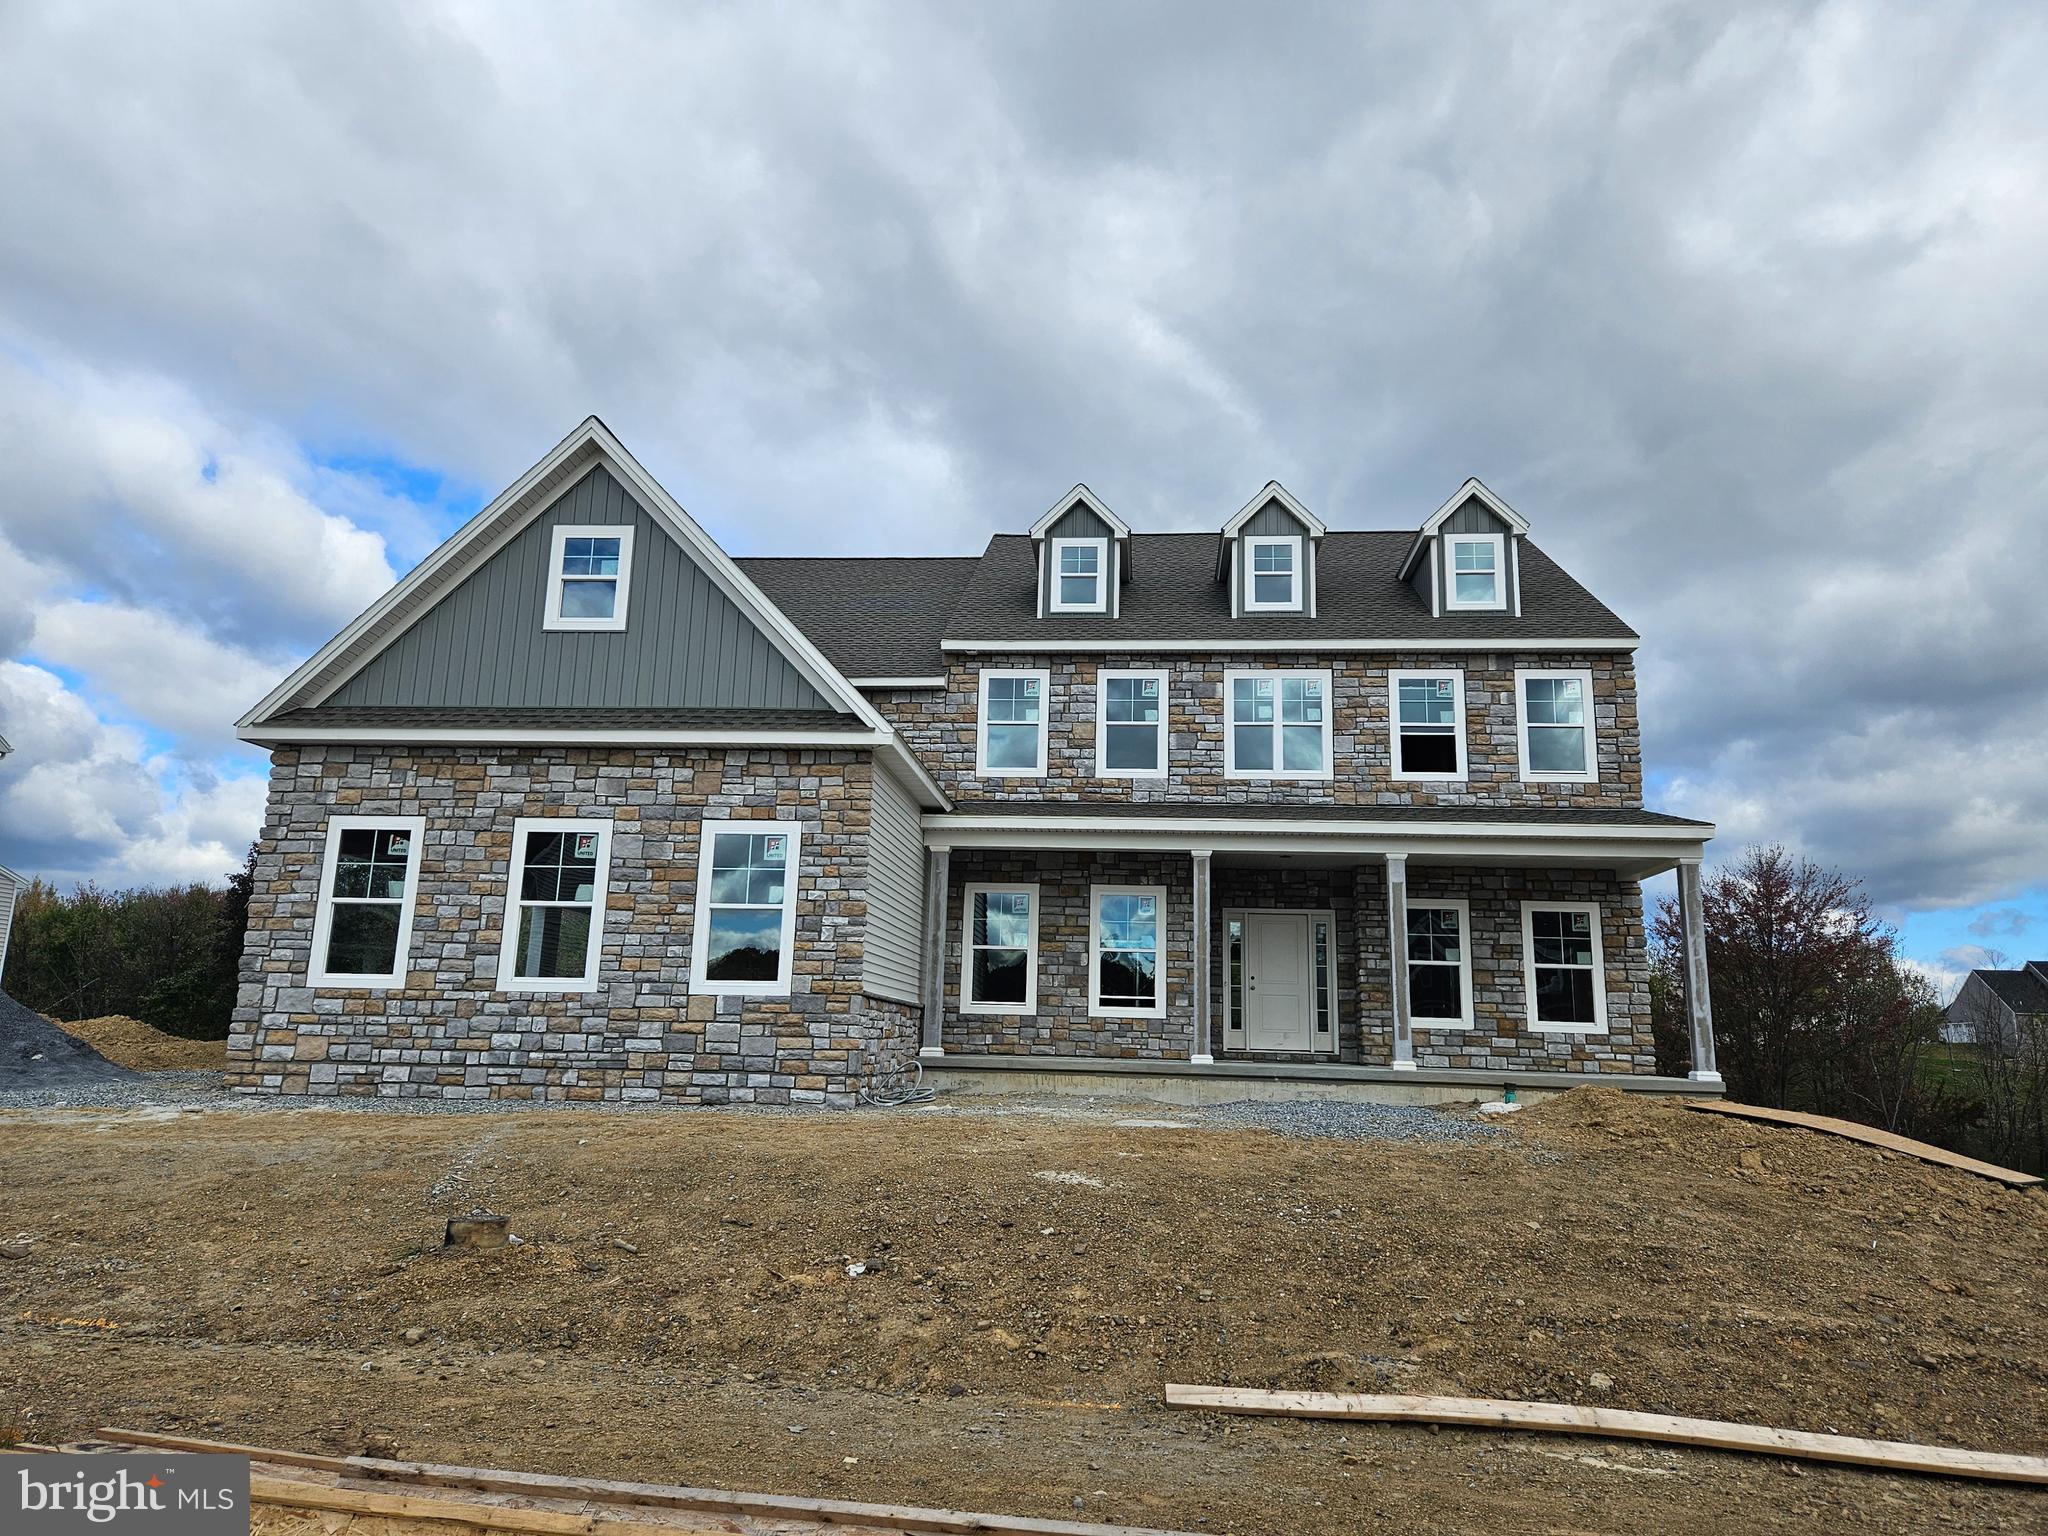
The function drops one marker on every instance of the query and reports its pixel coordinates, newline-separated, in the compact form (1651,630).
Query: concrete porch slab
(1180,1082)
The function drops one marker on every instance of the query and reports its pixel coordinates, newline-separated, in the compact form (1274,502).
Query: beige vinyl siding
(891,965)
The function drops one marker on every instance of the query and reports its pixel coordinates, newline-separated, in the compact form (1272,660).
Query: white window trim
(981,723)
(1592,911)
(1252,544)
(317,974)
(1095,895)
(700,924)
(1431,674)
(1052,594)
(1230,680)
(1500,571)
(967,946)
(1591,775)
(515,876)
(563,533)
(1464,910)
(1102,682)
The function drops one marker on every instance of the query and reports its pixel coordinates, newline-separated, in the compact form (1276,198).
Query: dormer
(1467,557)
(1268,556)
(1083,554)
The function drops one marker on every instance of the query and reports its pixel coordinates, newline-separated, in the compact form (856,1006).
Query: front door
(1276,984)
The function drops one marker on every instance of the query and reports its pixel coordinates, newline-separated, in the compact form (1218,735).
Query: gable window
(1555,712)
(1561,967)
(1126,931)
(1429,724)
(1278,725)
(1079,580)
(554,905)
(369,883)
(746,908)
(1130,730)
(590,570)
(999,950)
(1273,573)
(1011,740)
(1478,573)
(1439,964)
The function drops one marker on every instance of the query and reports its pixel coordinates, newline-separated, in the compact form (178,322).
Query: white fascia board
(10,876)
(1273,490)
(1223,643)
(1326,831)
(263,736)
(897,682)
(1082,496)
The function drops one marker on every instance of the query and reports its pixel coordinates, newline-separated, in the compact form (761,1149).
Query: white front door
(1276,985)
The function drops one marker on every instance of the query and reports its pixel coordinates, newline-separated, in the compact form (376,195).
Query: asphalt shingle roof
(435,717)
(872,617)
(2021,991)
(886,617)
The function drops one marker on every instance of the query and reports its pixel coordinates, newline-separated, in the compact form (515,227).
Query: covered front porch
(1301,952)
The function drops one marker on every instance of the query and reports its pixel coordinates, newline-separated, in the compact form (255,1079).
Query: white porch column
(1699,1009)
(1199,1045)
(1397,949)
(937,861)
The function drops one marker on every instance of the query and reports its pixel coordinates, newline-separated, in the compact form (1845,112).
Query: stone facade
(1498,1040)
(641,1035)
(940,724)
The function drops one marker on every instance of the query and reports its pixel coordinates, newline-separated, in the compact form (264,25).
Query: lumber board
(1618,1424)
(289,1493)
(1869,1134)
(535,1485)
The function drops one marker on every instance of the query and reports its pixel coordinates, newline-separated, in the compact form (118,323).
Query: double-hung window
(1011,740)
(1429,724)
(746,908)
(1272,574)
(1130,727)
(1439,964)
(999,949)
(554,905)
(369,884)
(1080,575)
(1126,942)
(1277,725)
(1561,967)
(1478,571)
(1555,711)
(590,571)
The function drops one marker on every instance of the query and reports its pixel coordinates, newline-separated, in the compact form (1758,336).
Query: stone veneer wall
(1062,1024)
(939,725)
(448,1032)
(1499,1039)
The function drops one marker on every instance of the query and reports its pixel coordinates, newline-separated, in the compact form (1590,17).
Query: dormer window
(590,570)
(1079,568)
(1274,568)
(1477,566)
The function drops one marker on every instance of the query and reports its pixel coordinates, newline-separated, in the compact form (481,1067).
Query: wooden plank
(657,1495)
(289,1493)
(1867,1133)
(1615,1423)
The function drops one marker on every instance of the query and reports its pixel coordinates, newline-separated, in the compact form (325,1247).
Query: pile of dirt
(35,1053)
(133,1044)
(905,1308)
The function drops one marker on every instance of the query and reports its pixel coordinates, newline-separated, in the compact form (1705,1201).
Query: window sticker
(1144,906)
(586,845)
(400,842)
(1265,687)
(1443,687)
(1151,687)
(1312,689)
(1030,687)
(774,848)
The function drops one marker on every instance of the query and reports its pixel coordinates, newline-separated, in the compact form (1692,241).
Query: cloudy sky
(1739,305)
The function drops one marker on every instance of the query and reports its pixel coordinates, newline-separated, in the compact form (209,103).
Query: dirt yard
(133,1044)
(681,1308)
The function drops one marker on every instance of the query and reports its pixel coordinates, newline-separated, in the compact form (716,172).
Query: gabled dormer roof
(4,748)
(1080,495)
(1474,489)
(1269,494)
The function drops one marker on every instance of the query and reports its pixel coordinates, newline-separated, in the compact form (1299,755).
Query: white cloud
(157,669)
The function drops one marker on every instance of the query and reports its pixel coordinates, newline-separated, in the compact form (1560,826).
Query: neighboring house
(584,808)
(1990,1004)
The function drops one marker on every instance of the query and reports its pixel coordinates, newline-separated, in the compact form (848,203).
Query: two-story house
(585,808)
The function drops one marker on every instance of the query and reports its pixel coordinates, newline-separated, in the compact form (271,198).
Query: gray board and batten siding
(1473,517)
(685,644)
(1273,521)
(1080,522)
